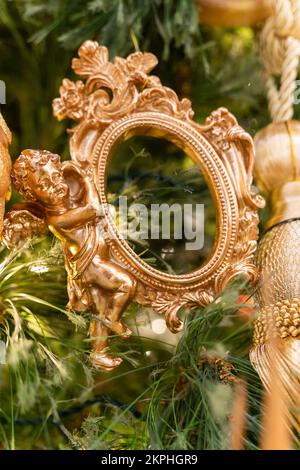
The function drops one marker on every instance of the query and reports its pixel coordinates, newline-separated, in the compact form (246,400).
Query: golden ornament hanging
(5,168)
(118,100)
(234,12)
(277,170)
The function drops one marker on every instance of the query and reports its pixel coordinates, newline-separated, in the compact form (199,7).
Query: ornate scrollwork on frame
(116,101)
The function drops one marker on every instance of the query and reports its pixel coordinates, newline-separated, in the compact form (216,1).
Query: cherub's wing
(22,223)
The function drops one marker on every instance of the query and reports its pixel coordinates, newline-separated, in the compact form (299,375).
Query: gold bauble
(234,12)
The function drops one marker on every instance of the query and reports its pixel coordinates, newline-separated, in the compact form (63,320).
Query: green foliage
(116,430)
(48,389)
(190,406)
(119,24)
(44,355)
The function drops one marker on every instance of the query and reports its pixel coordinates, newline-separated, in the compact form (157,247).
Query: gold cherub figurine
(69,204)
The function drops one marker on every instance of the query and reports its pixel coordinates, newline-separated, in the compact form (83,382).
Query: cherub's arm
(74,217)
(88,194)
(92,196)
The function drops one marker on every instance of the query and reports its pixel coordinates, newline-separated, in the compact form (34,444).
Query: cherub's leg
(116,283)
(120,300)
(97,329)
(100,332)
(117,304)
(118,286)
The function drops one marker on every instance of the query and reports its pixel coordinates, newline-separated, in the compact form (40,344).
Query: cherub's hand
(91,191)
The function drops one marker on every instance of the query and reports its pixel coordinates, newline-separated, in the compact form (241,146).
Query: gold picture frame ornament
(116,101)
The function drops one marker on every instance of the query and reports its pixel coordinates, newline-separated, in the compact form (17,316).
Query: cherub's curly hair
(30,161)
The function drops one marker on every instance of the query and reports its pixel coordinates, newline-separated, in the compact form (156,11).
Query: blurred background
(172,392)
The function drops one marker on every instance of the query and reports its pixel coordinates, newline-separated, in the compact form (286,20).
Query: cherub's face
(48,184)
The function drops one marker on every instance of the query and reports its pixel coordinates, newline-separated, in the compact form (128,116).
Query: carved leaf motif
(166,101)
(218,124)
(169,304)
(197,299)
(235,147)
(113,90)
(138,61)
(92,58)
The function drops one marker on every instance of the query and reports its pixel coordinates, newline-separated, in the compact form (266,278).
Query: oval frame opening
(197,147)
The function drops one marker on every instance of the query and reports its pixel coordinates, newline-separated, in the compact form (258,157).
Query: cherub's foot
(104,361)
(117,327)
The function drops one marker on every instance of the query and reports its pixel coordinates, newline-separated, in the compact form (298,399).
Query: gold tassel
(278,259)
